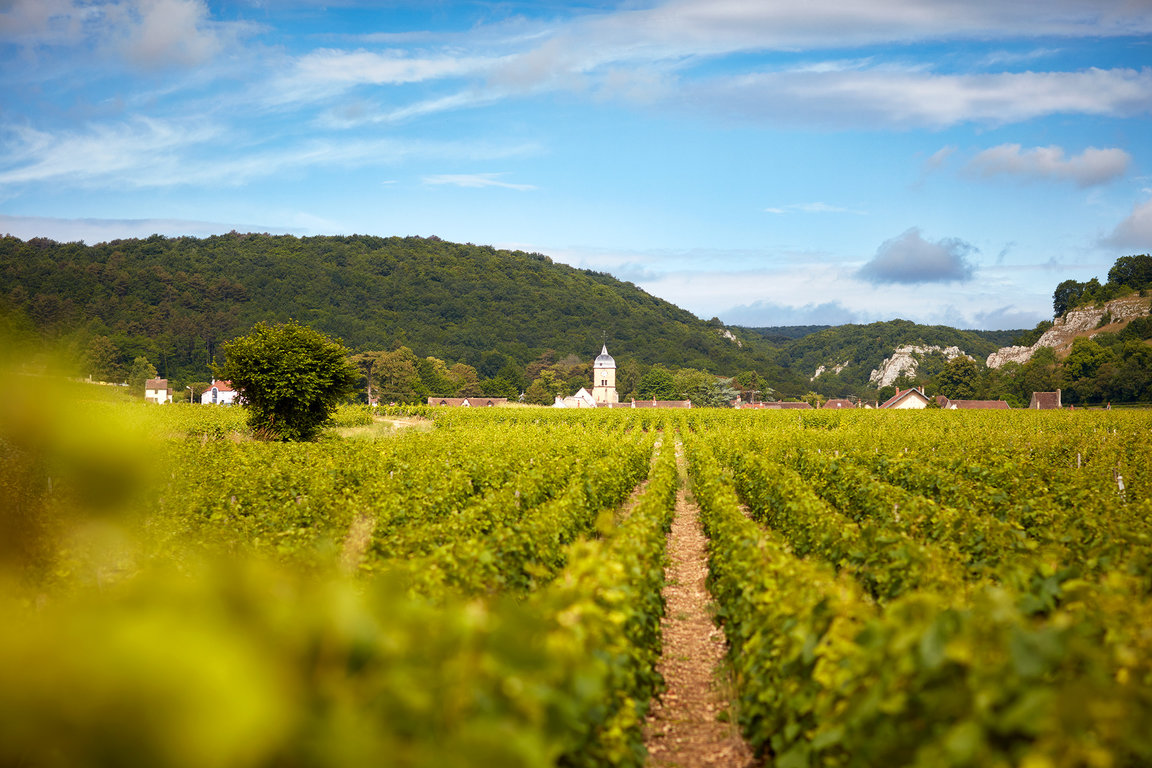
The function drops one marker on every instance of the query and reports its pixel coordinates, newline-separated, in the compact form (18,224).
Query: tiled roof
(975,404)
(1045,400)
(839,402)
(156,384)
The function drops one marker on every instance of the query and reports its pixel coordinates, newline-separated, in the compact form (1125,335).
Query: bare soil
(682,727)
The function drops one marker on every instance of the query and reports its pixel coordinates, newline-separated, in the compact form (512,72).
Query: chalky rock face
(1076,322)
(906,360)
(835,369)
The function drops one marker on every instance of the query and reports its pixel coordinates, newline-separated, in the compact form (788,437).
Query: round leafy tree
(290,377)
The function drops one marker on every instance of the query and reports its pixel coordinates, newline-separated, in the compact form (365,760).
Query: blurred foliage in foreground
(141,627)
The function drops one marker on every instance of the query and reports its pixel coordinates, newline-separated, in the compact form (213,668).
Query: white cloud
(684,29)
(1091,167)
(759,314)
(335,67)
(1135,231)
(141,146)
(150,34)
(812,208)
(911,259)
(939,157)
(912,99)
(161,33)
(146,152)
(474,181)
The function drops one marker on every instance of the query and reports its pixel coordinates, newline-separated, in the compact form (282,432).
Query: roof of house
(899,396)
(661,403)
(973,404)
(222,385)
(839,402)
(780,406)
(1045,400)
(156,384)
(477,402)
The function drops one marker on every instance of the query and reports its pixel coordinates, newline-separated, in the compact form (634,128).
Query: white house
(157,391)
(220,393)
(582,399)
(909,398)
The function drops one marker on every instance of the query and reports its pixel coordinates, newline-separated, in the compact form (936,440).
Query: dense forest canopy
(175,300)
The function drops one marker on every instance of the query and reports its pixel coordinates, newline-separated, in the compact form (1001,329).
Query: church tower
(604,378)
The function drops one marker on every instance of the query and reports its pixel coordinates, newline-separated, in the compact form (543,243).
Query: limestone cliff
(1076,322)
(906,360)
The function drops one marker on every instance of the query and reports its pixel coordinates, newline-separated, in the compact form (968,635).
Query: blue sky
(769,163)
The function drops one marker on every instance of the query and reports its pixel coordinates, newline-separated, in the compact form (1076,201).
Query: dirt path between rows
(682,728)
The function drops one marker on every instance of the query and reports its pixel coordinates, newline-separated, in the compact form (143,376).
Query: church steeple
(604,378)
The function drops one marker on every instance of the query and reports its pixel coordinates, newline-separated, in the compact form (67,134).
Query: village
(604,395)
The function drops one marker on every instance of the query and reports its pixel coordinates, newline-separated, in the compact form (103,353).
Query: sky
(764,162)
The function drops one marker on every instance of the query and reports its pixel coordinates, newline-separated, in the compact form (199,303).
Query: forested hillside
(174,300)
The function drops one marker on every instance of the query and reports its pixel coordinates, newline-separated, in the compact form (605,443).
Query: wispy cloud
(121,150)
(911,259)
(475,181)
(143,153)
(914,99)
(1091,167)
(813,208)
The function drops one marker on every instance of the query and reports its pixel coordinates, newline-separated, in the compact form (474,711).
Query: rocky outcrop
(906,359)
(731,337)
(1077,322)
(820,370)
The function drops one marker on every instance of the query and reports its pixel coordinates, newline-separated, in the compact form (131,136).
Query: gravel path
(682,728)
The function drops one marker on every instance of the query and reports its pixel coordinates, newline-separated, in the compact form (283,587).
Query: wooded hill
(174,300)
(864,348)
(508,314)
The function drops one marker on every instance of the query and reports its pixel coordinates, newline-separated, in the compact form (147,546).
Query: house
(654,403)
(582,399)
(468,402)
(913,398)
(157,391)
(839,402)
(966,405)
(1045,401)
(220,393)
(778,406)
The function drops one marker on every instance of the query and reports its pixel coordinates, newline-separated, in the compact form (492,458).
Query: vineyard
(454,587)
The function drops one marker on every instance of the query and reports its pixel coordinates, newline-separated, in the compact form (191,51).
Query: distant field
(483,587)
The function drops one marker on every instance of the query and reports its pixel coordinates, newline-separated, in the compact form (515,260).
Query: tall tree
(958,379)
(290,377)
(140,372)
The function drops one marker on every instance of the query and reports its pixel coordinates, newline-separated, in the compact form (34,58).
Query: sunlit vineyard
(483,587)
